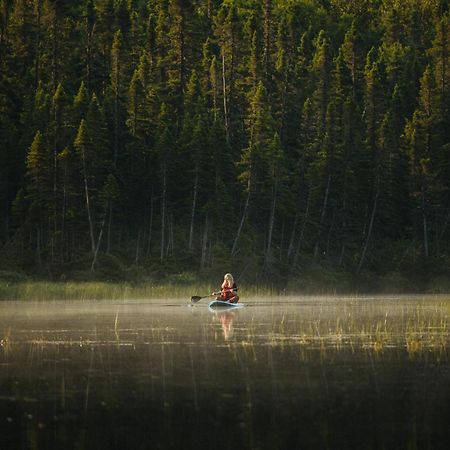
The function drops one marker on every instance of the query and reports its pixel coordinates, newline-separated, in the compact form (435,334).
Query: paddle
(196,298)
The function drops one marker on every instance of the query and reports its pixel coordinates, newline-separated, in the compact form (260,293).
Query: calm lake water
(281,373)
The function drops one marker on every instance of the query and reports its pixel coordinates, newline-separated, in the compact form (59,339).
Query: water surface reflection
(281,373)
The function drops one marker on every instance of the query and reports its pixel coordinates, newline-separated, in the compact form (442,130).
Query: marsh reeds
(108,290)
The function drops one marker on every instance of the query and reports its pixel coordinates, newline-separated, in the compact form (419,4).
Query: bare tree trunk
(344,229)
(63,212)
(38,246)
(194,205)
(330,231)
(322,218)
(425,227)
(369,232)
(225,107)
(241,224)
(170,240)
(97,248)
(163,213)
(136,258)
(302,232)
(291,239)
(271,223)
(110,218)
(150,227)
(204,243)
(88,206)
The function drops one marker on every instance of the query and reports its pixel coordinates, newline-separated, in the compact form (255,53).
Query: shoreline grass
(90,290)
(31,290)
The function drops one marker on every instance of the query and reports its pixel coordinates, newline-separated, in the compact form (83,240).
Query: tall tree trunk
(302,232)
(116,126)
(204,243)
(330,232)
(322,218)
(38,246)
(97,248)
(292,238)
(88,206)
(215,87)
(150,229)
(55,47)
(225,107)
(426,251)
(63,212)
(56,132)
(163,212)
(110,219)
(267,37)
(88,56)
(181,62)
(136,258)
(37,60)
(241,223)
(369,232)
(271,223)
(193,210)
(344,226)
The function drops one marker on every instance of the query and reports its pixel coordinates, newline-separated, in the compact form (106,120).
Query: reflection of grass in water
(422,330)
(42,290)
(5,342)
(416,327)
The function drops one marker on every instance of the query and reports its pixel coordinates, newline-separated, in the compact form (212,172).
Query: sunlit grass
(42,290)
(39,290)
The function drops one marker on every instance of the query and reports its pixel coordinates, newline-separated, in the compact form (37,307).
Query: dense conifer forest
(289,141)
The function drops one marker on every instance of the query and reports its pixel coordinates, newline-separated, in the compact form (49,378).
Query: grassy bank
(317,281)
(44,290)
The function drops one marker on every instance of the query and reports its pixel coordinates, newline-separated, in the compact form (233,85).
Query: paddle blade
(195,298)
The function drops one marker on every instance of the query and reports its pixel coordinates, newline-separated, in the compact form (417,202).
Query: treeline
(274,137)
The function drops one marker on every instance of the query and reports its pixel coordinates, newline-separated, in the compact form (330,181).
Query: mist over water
(281,373)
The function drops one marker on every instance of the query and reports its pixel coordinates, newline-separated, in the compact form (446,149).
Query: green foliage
(303,137)
(7,276)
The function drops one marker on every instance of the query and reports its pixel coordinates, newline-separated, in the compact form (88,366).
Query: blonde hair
(228,277)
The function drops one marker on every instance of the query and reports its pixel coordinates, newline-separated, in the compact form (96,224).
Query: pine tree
(38,191)
(88,35)
(276,170)
(39,173)
(83,147)
(80,105)
(440,54)
(419,144)
(373,115)
(117,86)
(226,31)
(164,143)
(261,130)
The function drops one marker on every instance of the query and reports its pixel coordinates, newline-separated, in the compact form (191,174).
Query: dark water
(281,373)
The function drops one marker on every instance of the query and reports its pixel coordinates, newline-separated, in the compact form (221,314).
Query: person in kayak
(229,289)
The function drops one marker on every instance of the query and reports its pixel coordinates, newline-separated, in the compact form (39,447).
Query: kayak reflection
(226,319)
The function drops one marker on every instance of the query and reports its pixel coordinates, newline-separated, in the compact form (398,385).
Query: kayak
(221,305)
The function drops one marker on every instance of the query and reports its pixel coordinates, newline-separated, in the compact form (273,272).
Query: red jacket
(228,292)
